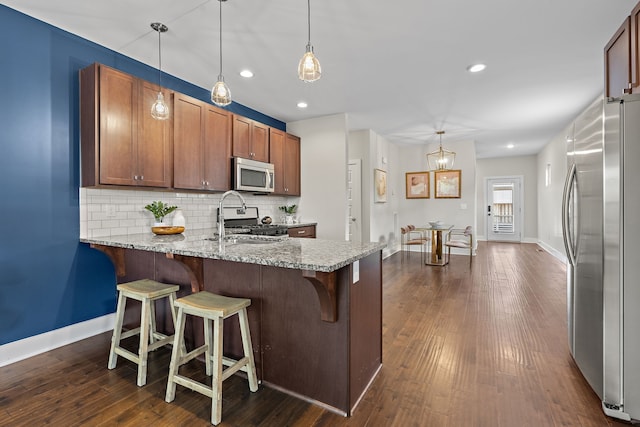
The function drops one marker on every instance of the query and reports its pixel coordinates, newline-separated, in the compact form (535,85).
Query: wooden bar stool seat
(213,309)
(146,291)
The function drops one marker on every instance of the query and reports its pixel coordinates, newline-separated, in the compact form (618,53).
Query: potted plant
(289,210)
(159,211)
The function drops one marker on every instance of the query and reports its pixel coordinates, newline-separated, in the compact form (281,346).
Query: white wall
(550,197)
(525,166)
(379,219)
(458,212)
(323,165)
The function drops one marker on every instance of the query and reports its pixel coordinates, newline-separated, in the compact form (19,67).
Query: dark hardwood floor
(480,344)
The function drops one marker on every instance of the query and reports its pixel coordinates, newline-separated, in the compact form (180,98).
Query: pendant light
(220,94)
(441,159)
(309,68)
(159,109)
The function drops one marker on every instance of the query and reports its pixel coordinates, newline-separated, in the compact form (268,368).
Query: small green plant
(289,209)
(160,210)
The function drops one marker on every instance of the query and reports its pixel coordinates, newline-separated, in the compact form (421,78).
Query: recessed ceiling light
(246,73)
(302,104)
(476,68)
(510,146)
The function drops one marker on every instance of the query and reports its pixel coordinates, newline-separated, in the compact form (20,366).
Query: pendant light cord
(159,58)
(308,22)
(220,36)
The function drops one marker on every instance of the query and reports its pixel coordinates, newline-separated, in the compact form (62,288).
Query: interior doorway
(503,210)
(354,201)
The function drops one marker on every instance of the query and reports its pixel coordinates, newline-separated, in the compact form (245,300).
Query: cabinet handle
(135,177)
(301,231)
(141,177)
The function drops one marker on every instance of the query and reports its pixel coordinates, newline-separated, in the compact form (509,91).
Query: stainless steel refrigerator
(621,273)
(583,238)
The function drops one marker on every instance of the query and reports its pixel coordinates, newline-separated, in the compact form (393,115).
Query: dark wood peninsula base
(330,362)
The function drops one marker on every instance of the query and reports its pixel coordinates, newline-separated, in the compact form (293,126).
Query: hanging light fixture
(159,109)
(309,68)
(441,159)
(220,94)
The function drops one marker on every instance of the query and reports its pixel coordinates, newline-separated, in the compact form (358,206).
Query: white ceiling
(398,68)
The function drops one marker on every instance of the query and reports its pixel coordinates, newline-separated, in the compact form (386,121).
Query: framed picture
(380,186)
(417,184)
(448,184)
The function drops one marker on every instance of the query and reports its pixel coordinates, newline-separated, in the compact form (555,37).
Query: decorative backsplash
(106,212)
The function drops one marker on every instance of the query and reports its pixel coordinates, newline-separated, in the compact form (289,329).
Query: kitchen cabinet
(308,231)
(250,139)
(121,143)
(284,153)
(202,145)
(617,60)
(635,49)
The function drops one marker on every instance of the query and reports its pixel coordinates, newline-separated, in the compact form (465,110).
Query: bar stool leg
(216,380)
(248,349)
(208,342)
(145,323)
(117,330)
(176,356)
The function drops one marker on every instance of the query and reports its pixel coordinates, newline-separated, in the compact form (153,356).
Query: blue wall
(49,280)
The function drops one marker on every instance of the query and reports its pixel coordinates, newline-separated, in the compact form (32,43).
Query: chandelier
(440,159)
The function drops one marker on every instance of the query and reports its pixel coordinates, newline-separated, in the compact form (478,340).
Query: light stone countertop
(301,254)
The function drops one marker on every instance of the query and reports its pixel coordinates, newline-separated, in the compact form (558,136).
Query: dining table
(437,255)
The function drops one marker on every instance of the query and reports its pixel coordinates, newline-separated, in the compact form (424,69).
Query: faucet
(221,213)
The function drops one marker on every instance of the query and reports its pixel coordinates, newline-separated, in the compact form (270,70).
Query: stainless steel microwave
(250,175)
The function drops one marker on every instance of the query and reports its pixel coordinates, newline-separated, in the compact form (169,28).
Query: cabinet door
(617,60)
(217,148)
(187,143)
(292,165)
(260,142)
(117,127)
(242,137)
(635,49)
(153,142)
(276,156)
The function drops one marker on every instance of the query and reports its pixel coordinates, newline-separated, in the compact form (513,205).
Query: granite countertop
(279,251)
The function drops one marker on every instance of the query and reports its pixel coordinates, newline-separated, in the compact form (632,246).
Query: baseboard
(31,346)
(559,255)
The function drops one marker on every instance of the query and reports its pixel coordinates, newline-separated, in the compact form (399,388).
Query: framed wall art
(417,185)
(380,186)
(448,184)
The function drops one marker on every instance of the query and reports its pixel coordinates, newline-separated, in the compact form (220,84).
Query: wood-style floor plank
(468,344)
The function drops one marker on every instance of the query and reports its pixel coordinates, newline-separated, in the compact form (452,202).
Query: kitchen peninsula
(316,312)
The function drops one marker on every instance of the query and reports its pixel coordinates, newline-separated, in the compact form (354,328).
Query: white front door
(354,201)
(503,209)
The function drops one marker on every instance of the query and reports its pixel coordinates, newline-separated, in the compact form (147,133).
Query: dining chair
(411,237)
(460,238)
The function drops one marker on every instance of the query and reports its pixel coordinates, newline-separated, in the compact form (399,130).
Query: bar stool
(216,308)
(145,291)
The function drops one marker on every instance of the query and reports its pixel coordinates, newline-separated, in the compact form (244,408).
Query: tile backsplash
(105,212)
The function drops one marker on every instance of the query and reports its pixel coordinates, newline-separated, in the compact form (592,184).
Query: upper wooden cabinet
(202,145)
(250,139)
(284,153)
(635,48)
(121,143)
(617,62)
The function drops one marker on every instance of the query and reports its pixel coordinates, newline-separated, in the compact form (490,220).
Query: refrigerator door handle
(566,199)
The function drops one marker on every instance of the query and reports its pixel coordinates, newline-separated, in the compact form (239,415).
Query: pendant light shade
(160,109)
(441,159)
(309,68)
(220,94)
